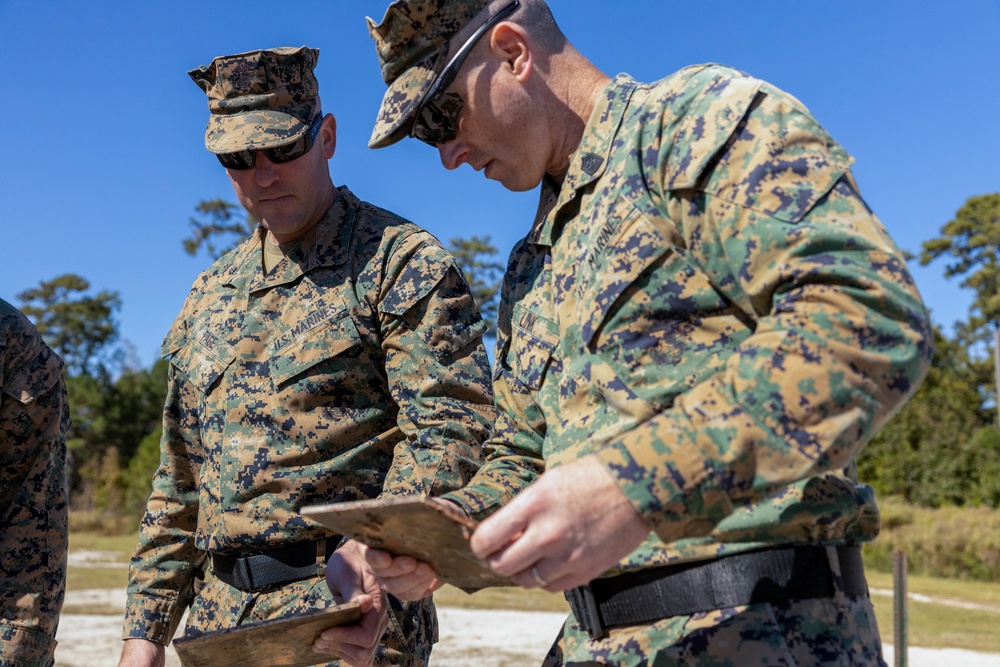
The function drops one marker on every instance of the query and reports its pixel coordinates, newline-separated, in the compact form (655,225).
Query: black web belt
(773,575)
(254,571)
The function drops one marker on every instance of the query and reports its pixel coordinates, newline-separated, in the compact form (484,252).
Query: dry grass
(122,545)
(937,625)
(84,578)
(502,598)
(951,542)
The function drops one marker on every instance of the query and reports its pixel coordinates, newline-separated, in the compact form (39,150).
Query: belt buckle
(586,611)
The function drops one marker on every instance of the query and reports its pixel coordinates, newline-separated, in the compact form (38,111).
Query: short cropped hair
(536,17)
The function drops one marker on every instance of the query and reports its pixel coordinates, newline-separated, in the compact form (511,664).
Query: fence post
(899,607)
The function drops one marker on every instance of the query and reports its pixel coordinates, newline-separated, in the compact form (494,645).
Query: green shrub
(137,479)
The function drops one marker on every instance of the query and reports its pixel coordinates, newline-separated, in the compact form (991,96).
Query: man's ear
(328,135)
(509,42)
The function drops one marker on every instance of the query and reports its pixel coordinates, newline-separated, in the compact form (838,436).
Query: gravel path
(468,637)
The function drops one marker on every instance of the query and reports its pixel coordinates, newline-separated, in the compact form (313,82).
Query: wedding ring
(538,578)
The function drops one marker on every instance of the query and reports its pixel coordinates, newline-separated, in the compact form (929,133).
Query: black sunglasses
(436,118)
(241,160)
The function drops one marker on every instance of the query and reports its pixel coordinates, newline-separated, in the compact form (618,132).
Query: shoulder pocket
(35,378)
(320,336)
(423,271)
(533,340)
(779,160)
(203,357)
(709,122)
(174,340)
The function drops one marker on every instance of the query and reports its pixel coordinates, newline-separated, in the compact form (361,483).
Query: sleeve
(166,562)
(513,453)
(840,338)
(34,419)
(437,368)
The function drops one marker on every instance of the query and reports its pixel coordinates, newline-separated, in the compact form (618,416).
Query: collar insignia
(591,162)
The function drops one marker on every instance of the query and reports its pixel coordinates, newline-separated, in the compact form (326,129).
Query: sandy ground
(468,637)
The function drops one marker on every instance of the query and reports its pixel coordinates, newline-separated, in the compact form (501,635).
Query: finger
(366,605)
(394,566)
(567,582)
(553,582)
(348,655)
(420,590)
(410,584)
(346,636)
(373,614)
(358,639)
(496,533)
(528,548)
(378,558)
(346,574)
(325,646)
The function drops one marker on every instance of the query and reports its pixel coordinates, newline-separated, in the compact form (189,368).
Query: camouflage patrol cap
(412,42)
(259,99)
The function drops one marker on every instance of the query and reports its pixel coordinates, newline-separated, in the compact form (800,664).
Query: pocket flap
(535,340)
(203,357)
(35,377)
(297,353)
(423,271)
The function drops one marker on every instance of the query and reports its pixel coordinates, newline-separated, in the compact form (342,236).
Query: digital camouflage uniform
(706,304)
(34,418)
(352,369)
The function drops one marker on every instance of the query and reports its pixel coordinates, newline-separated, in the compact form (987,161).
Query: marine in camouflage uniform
(34,418)
(351,367)
(704,305)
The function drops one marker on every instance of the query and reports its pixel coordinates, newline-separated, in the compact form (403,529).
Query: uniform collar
(326,244)
(588,162)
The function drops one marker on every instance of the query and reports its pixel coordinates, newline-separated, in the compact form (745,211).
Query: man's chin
(517,182)
(284,231)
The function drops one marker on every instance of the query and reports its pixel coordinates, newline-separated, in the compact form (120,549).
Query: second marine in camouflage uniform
(705,305)
(34,418)
(353,368)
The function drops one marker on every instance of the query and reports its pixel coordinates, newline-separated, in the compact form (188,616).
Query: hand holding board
(416,526)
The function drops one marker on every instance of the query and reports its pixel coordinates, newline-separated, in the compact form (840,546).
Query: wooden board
(284,642)
(413,526)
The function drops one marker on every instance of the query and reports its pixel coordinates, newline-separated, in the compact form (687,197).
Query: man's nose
(453,154)
(265,171)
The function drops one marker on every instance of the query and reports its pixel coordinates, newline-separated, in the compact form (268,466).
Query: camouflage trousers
(407,641)
(834,632)
(20,647)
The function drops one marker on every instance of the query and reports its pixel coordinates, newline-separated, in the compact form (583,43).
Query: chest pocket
(202,356)
(296,351)
(535,339)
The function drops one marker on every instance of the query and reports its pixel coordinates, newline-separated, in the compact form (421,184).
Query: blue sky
(102,130)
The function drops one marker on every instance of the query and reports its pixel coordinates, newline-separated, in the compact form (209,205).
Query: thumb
(343,579)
